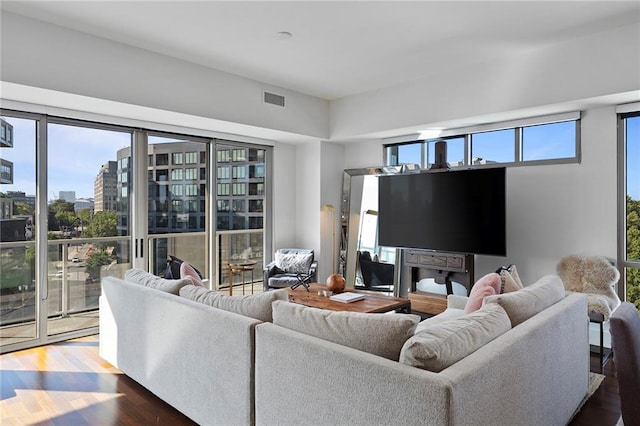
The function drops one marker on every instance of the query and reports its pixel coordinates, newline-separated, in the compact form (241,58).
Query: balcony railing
(193,248)
(74,270)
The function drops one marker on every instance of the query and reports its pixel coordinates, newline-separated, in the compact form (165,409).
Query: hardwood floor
(603,408)
(69,384)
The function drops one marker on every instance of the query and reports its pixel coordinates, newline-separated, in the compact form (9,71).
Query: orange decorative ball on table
(335,283)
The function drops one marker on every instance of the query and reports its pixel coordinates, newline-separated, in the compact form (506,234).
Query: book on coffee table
(347,297)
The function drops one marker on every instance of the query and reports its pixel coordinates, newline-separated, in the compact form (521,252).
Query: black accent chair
(376,276)
(290,267)
(625,340)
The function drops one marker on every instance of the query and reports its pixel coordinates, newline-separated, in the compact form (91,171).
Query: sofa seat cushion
(256,306)
(444,343)
(378,334)
(283,280)
(139,276)
(529,301)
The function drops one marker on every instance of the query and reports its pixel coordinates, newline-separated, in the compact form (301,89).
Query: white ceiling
(338,48)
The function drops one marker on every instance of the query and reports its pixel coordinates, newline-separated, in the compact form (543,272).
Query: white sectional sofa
(197,358)
(219,367)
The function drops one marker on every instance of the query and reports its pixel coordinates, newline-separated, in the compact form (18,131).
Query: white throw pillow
(256,306)
(444,343)
(294,263)
(529,301)
(378,334)
(139,276)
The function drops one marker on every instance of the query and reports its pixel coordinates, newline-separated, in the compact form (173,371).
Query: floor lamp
(331,209)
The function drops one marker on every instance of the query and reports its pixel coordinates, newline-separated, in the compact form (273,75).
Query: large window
(78,215)
(551,139)
(629,141)
(110,198)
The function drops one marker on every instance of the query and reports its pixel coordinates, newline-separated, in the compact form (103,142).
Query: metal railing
(193,247)
(74,270)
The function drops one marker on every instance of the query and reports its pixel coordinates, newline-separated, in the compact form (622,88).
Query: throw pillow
(294,263)
(443,344)
(172,271)
(256,306)
(448,314)
(189,271)
(378,334)
(139,276)
(486,286)
(523,304)
(510,279)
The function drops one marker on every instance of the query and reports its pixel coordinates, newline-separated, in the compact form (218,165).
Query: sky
(74,158)
(77,153)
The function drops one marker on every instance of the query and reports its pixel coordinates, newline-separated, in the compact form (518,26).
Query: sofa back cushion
(378,334)
(293,262)
(444,343)
(527,302)
(139,276)
(256,306)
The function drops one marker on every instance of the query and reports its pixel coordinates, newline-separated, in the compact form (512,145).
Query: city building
(6,171)
(69,196)
(105,189)
(6,134)
(177,182)
(83,203)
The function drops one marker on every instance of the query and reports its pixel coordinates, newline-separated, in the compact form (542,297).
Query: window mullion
(518,145)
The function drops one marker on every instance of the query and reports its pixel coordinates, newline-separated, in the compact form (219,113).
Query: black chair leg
(601,345)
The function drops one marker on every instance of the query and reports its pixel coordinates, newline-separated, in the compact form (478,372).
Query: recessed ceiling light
(283,35)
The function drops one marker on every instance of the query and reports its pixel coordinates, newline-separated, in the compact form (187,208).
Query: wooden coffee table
(372,302)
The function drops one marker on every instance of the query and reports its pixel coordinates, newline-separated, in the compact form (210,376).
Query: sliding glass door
(629,140)
(88,214)
(19,290)
(241,198)
(178,222)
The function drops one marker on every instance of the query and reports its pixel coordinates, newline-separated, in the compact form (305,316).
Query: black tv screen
(459,211)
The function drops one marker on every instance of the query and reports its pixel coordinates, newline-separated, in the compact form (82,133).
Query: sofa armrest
(313,271)
(456,302)
(267,272)
(517,363)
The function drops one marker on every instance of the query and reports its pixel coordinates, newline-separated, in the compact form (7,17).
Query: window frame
(623,263)
(467,134)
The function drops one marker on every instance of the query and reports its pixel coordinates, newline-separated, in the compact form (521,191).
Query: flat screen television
(457,211)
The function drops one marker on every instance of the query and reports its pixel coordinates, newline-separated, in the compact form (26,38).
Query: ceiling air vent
(273,99)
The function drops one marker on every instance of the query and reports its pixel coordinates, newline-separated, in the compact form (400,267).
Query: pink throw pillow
(187,270)
(486,286)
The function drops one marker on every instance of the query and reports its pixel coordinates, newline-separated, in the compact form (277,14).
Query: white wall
(332,165)
(558,210)
(284,196)
(308,202)
(363,154)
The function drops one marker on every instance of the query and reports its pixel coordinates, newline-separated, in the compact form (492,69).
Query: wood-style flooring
(69,384)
